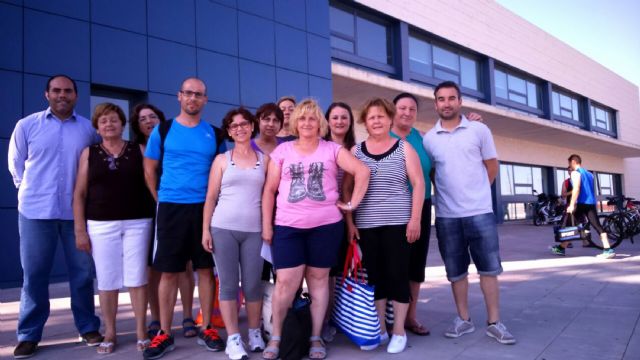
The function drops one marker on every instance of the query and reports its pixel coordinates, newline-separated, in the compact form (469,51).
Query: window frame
(514,104)
(612,119)
(432,80)
(561,92)
(354,58)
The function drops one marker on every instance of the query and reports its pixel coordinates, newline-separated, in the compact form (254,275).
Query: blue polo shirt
(461,179)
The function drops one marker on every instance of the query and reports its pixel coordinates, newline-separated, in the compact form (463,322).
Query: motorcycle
(547,210)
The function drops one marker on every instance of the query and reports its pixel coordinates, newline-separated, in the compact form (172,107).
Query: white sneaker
(256,342)
(384,339)
(397,344)
(235,349)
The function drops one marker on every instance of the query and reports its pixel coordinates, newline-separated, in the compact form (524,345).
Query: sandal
(418,329)
(189,331)
(106,347)
(153,328)
(317,352)
(271,349)
(142,345)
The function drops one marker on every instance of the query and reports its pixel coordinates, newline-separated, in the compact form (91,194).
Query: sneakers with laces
(256,342)
(459,328)
(557,250)
(499,332)
(210,339)
(160,345)
(607,254)
(397,344)
(235,349)
(25,349)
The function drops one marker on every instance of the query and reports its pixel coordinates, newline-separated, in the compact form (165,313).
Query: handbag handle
(353,262)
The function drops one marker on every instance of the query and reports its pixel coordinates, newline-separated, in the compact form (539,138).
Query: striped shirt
(388,199)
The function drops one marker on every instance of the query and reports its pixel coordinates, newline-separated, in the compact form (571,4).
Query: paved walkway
(573,307)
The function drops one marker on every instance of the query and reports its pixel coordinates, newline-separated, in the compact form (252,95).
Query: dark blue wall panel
(291,12)
(169,64)
(10,83)
(256,37)
(8,197)
(319,64)
(172,20)
(217,27)
(34,100)
(10,269)
(257,83)
(262,8)
(11,37)
(220,73)
(123,14)
(55,44)
(118,58)
(291,83)
(214,112)
(291,48)
(318,17)
(229,3)
(167,103)
(78,9)
(321,90)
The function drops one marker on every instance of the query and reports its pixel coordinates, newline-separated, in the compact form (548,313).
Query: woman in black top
(113,213)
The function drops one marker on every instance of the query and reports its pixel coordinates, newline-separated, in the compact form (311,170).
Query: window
(441,63)
(517,91)
(360,34)
(604,184)
(565,106)
(520,180)
(561,176)
(602,119)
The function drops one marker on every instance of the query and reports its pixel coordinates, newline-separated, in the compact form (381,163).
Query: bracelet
(349,205)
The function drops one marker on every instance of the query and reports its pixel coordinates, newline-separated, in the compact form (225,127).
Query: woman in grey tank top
(232,227)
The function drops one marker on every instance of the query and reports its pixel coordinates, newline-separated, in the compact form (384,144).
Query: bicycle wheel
(613,225)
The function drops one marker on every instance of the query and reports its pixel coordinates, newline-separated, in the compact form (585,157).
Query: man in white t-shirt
(465,164)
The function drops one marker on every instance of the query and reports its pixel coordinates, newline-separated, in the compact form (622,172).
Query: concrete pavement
(574,307)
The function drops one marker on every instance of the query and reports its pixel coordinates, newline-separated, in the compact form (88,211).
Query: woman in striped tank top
(388,218)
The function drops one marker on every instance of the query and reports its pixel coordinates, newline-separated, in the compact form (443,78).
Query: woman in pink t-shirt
(308,223)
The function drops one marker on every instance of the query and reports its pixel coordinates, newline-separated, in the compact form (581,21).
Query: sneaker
(558,250)
(397,344)
(459,328)
(92,338)
(210,339)
(607,254)
(25,349)
(235,348)
(384,339)
(499,332)
(256,342)
(161,344)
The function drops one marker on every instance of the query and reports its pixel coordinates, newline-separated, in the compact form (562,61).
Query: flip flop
(106,347)
(189,331)
(317,352)
(272,349)
(418,329)
(142,345)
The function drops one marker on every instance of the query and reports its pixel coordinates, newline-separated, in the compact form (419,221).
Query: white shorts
(120,249)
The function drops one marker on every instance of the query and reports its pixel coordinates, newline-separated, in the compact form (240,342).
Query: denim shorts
(478,235)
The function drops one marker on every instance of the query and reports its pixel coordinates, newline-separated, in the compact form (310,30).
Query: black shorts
(179,238)
(419,250)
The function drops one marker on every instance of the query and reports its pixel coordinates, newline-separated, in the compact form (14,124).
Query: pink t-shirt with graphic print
(308,189)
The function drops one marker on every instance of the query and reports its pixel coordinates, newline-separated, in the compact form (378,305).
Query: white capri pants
(120,249)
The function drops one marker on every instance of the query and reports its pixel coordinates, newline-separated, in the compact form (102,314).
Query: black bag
(296,329)
(570,233)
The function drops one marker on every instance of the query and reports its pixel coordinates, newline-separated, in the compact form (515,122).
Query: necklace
(111,158)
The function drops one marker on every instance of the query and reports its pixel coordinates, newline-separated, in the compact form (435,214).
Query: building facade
(542,99)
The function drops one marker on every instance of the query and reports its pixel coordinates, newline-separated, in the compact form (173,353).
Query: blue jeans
(38,241)
(478,235)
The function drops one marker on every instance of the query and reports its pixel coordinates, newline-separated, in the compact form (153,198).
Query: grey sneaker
(501,334)
(459,328)
(607,254)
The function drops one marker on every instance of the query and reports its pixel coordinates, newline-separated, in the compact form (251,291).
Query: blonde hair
(308,106)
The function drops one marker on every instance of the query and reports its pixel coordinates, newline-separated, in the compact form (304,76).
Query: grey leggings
(233,248)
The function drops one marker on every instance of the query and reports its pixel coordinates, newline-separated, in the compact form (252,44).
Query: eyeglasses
(235,126)
(189,93)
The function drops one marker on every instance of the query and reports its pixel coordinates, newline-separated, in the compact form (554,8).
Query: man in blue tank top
(583,204)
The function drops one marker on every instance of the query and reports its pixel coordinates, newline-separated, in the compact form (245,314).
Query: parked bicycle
(547,210)
(622,223)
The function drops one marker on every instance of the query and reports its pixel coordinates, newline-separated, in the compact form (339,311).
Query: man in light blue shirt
(465,164)
(43,160)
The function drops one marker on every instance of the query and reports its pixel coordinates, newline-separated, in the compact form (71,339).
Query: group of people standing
(295,181)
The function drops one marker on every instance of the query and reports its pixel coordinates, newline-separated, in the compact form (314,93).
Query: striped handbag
(354,311)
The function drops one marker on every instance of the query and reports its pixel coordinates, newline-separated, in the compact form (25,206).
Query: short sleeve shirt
(461,179)
(308,190)
(188,154)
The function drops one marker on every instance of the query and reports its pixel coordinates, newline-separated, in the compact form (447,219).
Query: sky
(607,31)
